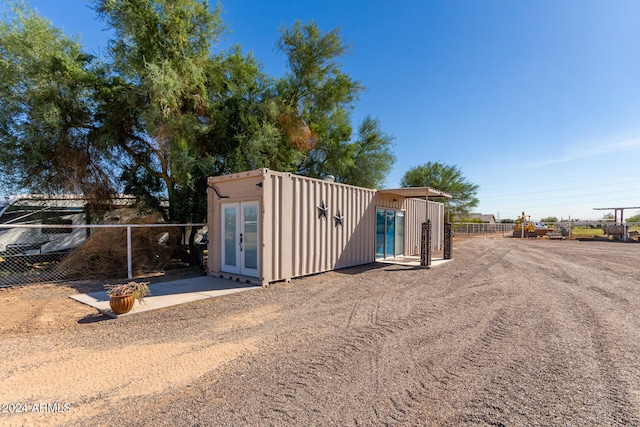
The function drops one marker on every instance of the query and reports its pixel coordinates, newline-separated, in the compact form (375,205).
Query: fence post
(425,244)
(129,257)
(448,240)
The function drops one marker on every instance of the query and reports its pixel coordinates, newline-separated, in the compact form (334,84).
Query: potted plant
(123,296)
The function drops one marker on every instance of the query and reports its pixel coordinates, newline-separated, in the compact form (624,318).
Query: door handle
(240,242)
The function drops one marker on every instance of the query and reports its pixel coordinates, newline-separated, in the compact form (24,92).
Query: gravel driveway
(510,332)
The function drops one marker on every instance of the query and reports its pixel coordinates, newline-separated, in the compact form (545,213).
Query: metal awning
(416,192)
(615,215)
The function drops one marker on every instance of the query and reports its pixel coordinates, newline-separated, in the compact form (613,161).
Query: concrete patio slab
(166,294)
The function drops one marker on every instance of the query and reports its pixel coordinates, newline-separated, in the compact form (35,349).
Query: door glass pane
(250,238)
(230,234)
(389,246)
(399,233)
(379,233)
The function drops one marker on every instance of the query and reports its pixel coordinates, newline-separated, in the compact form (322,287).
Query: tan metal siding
(389,201)
(270,221)
(213,256)
(319,244)
(295,241)
(359,237)
(415,216)
(277,232)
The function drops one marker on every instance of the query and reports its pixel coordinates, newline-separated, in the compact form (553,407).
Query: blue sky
(537,102)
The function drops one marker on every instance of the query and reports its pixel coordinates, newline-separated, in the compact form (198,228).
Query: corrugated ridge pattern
(416,215)
(322,243)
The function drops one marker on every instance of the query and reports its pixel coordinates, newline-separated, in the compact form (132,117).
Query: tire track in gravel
(315,365)
(616,394)
(333,356)
(605,338)
(472,269)
(478,361)
(364,313)
(570,288)
(360,344)
(592,293)
(504,335)
(499,355)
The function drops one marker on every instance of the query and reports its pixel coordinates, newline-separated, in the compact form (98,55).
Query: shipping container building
(266,226)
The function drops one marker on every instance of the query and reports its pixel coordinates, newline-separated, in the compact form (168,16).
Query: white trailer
(42,210)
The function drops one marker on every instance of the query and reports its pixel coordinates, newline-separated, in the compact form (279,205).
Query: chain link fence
(475,229)
(39,253)
(611,230)
(629,231)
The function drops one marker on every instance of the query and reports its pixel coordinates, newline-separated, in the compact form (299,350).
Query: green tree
(449,179)
(246,130)
(370,156)
(550,219)
(160,52)
(634,218)
(472,220)
(164,111)
(319,98)
(48,92)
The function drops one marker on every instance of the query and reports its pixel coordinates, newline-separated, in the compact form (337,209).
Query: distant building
(485,218)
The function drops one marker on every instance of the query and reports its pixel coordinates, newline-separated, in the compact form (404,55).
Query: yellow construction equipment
(531,228)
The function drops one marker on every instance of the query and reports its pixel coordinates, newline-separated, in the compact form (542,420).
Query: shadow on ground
(93,318)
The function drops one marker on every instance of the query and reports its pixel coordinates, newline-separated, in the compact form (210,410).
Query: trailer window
(57,221)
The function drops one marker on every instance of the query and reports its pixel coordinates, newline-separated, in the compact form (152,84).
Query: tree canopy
(48,93)
(165,110)
(447,178)
(634,218)
(319,98)
(550,219)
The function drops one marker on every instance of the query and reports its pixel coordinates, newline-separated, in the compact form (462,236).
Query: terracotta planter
(122,304)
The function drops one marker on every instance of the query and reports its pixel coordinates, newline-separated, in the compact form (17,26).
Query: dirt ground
(510,332)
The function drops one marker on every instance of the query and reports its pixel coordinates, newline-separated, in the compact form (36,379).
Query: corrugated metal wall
(323,243)
(416,215)
(295,239)
(276,232)
(384,200)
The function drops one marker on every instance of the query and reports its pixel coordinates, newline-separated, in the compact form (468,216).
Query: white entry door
(240,238)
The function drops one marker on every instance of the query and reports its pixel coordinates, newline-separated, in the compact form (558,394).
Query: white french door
(240,238)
